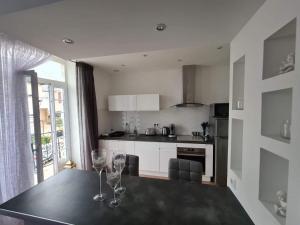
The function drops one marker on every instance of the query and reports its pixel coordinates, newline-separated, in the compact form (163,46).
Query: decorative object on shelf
(286,129)
(281,205)
(240,104)
(288,64)
(204,125)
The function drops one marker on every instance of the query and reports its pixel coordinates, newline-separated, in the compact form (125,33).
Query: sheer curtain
(16,166)
(87,111)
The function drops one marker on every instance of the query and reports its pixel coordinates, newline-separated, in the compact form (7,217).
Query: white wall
(212,85)
(103,88)
(273,15)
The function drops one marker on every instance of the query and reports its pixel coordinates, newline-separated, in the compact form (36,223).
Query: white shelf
(279,148)
(276,49)
(236,164)
(237,114)
(273,176)
(238,82)
(276,108)
(279,82)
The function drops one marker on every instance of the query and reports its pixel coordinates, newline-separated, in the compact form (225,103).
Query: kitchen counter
(159,138)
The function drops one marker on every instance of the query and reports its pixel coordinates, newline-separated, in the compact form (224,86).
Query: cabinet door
(221,156)
(148,102)
(127,147)
(166,152)
(209,160)
(122,103)
(148,153)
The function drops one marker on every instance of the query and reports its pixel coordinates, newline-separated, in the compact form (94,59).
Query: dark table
(67,199)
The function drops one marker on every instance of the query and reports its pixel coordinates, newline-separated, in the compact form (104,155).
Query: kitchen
(143,90)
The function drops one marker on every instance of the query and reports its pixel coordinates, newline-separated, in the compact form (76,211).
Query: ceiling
(112,27)
(9,6)
(161,60)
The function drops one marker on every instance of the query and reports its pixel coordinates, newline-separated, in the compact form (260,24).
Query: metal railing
(47,149)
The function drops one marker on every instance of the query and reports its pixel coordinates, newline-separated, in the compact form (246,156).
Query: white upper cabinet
(122,103)
(148,102)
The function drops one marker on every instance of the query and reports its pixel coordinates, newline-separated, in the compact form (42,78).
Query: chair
(187,170)
(131,165)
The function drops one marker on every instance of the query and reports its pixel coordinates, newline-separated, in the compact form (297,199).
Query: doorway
(47,102)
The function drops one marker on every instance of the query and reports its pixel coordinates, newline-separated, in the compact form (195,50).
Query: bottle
(127,128)
(135,131)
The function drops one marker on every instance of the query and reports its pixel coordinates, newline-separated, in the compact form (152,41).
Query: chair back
(183,169)
(131,165)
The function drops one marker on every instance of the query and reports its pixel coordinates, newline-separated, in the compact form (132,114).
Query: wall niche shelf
(276,108)
(276,49)
(238,84)
(237,114)
(236,164)
(273,176)
(279,82)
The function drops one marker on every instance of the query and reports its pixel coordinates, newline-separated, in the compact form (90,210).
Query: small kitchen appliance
(172,131)
(165,131)
(150,132)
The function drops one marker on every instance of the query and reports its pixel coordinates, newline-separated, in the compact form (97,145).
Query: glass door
(59,107)
(50,116)
(34,121)
(47,128)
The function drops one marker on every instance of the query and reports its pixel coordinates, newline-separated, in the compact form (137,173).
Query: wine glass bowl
(119,160)
(113,179)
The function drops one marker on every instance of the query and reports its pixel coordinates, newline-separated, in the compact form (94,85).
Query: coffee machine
(172,131)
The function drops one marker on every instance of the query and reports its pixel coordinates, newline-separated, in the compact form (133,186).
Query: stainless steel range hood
(188,83)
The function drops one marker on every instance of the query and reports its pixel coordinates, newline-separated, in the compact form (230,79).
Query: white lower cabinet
(148,153)
(110,146)
(166,152)
(154,156)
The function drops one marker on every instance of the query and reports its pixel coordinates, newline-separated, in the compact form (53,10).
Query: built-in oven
(195,154)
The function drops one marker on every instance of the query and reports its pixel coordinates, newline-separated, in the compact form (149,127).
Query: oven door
(193,154)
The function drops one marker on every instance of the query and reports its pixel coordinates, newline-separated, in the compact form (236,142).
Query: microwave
(219,110)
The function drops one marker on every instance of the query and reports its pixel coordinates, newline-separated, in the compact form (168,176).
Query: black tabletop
(67,199)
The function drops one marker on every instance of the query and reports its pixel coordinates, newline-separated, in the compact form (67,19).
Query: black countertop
(67,199)
(158,138)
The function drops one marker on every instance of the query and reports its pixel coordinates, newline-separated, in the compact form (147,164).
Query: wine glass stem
(115,194)
(121,179)
(100,175)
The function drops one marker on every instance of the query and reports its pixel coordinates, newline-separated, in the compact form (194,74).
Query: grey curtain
(87,110)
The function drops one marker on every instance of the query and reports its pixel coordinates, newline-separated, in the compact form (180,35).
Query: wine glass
(113,179)
(119,160)
(99,163)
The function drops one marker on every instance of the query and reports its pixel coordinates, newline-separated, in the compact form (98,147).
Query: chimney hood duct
(188,83)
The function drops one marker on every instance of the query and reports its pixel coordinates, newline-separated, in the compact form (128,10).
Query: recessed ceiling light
(123,65)
(160,27)
(220,47)
(145,55)
(179,60)
(68,41)
(116,70)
